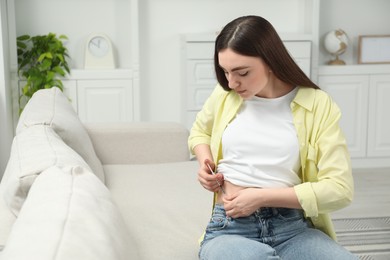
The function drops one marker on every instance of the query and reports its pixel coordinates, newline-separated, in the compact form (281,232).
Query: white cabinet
(105,100)
(100,96)
(378,144)
(362,93)
(199,75)
(351,95)
(103,95)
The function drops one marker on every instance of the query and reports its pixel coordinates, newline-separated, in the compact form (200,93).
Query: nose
(233,82)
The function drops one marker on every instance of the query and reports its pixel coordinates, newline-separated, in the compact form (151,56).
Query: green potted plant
(42,59)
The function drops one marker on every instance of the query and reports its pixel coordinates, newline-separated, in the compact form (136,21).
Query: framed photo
(374,49)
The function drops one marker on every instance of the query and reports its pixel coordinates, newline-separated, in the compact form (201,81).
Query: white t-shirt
(260,146)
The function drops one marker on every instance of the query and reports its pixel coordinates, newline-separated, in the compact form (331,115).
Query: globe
(336,43)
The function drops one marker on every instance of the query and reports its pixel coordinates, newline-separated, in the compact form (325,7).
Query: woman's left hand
(243,203)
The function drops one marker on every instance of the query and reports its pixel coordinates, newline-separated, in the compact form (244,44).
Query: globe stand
(336,61)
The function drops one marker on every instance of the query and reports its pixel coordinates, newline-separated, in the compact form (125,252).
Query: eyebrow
(236,68)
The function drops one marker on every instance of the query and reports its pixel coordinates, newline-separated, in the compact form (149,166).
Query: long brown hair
(255,36)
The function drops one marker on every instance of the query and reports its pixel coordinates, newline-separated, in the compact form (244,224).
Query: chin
(246,95)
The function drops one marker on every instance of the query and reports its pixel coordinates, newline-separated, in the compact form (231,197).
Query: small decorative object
(99,53)
(374,49)
(336,43)
(41,60)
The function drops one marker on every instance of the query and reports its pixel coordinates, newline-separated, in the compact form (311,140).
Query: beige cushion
(69,214)
(51,107)
(164,207)
(139,142)
(33,151)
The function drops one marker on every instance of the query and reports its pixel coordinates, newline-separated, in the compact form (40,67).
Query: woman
(281,160)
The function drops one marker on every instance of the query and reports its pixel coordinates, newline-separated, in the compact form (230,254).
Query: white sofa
(103,191)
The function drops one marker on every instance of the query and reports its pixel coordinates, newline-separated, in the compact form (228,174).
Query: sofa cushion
(69,214)
(139,142)
(51,107)
(33,151)
(163,205)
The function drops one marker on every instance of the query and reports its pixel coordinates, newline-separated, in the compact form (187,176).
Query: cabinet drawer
(197,95)
(201,72)
(299,49)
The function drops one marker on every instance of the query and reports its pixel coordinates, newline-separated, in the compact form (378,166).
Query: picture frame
(374,49)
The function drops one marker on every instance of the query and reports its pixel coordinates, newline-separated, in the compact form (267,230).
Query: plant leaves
(23,37)
(41,60)
(21,45)
(63,37)
(59,70)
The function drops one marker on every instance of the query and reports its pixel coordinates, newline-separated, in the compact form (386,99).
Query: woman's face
(248,76)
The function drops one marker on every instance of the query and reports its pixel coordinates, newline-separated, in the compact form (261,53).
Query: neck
(275,89)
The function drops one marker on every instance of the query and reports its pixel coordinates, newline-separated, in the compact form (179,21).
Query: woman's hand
(246,201)
(207,179)
(243,203)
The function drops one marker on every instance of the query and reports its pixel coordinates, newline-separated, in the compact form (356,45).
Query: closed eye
(242,74)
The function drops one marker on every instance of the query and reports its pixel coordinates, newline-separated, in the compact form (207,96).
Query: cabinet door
(201,82)
(379,119)
(350,93)
(105,100)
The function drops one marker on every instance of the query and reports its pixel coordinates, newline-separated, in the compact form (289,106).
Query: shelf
(354,69)
(100,74)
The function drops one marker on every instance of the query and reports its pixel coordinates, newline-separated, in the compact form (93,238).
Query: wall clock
(99,53)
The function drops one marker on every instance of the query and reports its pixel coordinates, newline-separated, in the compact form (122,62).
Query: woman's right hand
(207,179)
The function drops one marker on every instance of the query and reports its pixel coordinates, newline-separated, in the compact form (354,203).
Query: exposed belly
(230,189)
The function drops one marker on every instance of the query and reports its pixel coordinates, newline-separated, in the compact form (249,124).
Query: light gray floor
(372,194)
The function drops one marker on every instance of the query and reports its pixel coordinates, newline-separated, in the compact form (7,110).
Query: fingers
(242,203)
(219,176)
(230,209)
(228,202)
(209,163)
(208,181)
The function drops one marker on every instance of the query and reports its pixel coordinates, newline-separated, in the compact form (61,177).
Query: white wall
(6,124)
(355,17)
(162,23)
(78,19)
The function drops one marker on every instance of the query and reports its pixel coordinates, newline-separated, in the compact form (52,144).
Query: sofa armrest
(139,143)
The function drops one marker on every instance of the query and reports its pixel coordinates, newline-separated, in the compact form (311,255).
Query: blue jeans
(269,233)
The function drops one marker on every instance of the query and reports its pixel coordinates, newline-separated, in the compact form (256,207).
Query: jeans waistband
(268,212)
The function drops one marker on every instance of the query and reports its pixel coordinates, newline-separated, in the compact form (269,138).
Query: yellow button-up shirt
(327,183)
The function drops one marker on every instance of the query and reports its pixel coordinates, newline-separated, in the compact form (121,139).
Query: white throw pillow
(69,214)
(51,107)
(33,151)
(7,219)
